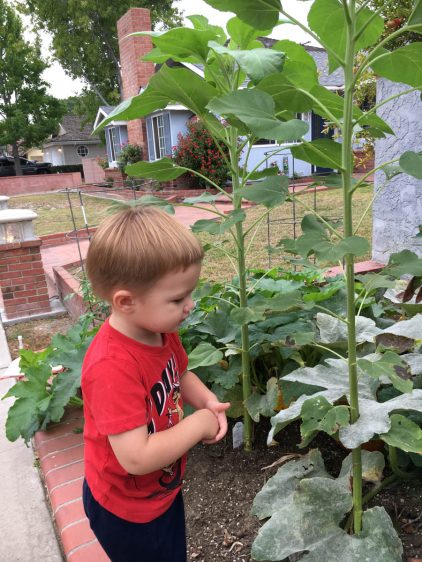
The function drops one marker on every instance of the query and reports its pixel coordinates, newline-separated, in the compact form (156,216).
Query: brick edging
(60,451)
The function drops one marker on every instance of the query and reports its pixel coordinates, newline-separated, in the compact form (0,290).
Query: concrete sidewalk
(27,533)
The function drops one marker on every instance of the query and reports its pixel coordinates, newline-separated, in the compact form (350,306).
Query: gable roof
(72,131)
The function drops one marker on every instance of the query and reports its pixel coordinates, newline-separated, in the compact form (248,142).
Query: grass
(284,222)
(54,213)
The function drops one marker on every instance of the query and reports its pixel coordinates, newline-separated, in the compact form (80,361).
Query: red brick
(9,259)
(91,552)
(76,535)
(65,493)
(73,420)
(10,275)
(38,298)
(62,442)
(61,475)
(62,458)
(27,293)
(69,513)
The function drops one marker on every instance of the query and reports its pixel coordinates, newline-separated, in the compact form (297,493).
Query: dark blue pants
(161,540)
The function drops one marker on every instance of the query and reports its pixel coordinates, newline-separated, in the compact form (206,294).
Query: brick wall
(24,185)
(22,279)
(93,172)
(135,72)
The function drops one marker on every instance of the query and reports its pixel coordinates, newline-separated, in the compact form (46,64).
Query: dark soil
(36,334)
(221,483)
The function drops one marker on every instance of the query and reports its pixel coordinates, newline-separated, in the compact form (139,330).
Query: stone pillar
(397,209)
(135,72)
(22,276)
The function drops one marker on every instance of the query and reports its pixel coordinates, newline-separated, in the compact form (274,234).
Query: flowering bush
(198,151)
(130,154)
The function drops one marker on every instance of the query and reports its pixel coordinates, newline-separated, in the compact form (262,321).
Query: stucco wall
(397,210)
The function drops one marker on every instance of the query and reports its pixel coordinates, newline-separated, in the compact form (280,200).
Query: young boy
(134,384)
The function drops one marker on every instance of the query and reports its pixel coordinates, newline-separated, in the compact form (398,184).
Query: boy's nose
(190,304)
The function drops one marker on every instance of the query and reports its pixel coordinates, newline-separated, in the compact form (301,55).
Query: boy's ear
(123,301)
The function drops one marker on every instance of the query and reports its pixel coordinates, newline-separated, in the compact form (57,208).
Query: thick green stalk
(243,296)
(347,161)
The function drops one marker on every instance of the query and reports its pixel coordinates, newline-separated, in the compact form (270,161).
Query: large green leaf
(263,14)
(333,376)
(306,507)
(245,315)
(374,418)
(285,94)
(183,43)
(174,84)
(256,63)
(415,19)
(411,163)
(333,330)
(373,464)
(219,226)
(328,20)
(283,484)
(390,365)
(201,22)
(404,434)
(263,404)
(408,328)
(270,192)
(402,263)
(402,65)
(22,420)
(162,170)
(321,152)
(242,33)
(300,67)
(256,109)
(204,354)
(319,415)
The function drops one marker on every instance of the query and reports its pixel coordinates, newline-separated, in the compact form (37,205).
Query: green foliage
(42,396)
(85,37)
(197,151)
(28,115)
(130,154)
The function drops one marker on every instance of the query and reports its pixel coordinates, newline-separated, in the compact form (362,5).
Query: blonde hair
(136,247)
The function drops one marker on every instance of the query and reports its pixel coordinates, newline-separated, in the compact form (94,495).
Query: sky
(62,86)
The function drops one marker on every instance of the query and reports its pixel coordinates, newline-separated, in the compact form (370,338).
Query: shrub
(198,151)
(67,169)
(130,154)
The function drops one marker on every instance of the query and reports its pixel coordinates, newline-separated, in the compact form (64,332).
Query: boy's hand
(219,410)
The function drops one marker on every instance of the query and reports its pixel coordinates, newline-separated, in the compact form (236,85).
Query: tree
(28,115)
(85,39)
(395,14)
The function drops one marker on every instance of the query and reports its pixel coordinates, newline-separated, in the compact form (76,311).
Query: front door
(318,124)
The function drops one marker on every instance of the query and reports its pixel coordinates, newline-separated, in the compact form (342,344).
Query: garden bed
(221,484)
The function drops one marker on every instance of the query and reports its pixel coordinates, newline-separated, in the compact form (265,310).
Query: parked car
(29,167)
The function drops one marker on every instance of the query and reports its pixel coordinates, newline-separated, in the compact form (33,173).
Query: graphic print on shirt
(166,400)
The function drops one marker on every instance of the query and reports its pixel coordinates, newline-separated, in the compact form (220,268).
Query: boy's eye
(178,301)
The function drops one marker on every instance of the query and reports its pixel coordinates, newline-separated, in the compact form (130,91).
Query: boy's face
(163,307)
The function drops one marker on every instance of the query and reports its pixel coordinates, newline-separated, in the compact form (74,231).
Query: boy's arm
(141,453)
(195,393)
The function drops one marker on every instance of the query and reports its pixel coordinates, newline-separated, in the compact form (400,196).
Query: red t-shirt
(127,384)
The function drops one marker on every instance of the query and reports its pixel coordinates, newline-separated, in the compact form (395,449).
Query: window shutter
(150,138)
(167,134)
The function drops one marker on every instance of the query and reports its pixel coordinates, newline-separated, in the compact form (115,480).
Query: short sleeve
(180,353)
(115,396)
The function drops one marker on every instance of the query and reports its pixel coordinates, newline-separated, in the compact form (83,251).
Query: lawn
(54,216)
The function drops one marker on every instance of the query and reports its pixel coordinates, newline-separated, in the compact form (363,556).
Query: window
(159,136)
(114,143)
(82,150)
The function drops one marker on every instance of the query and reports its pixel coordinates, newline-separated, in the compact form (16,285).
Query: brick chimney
(135,72)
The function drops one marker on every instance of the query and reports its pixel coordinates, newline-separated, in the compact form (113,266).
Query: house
(72,143)
(158,132)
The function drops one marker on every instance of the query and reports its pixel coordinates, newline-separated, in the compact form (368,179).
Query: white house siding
(397,210)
